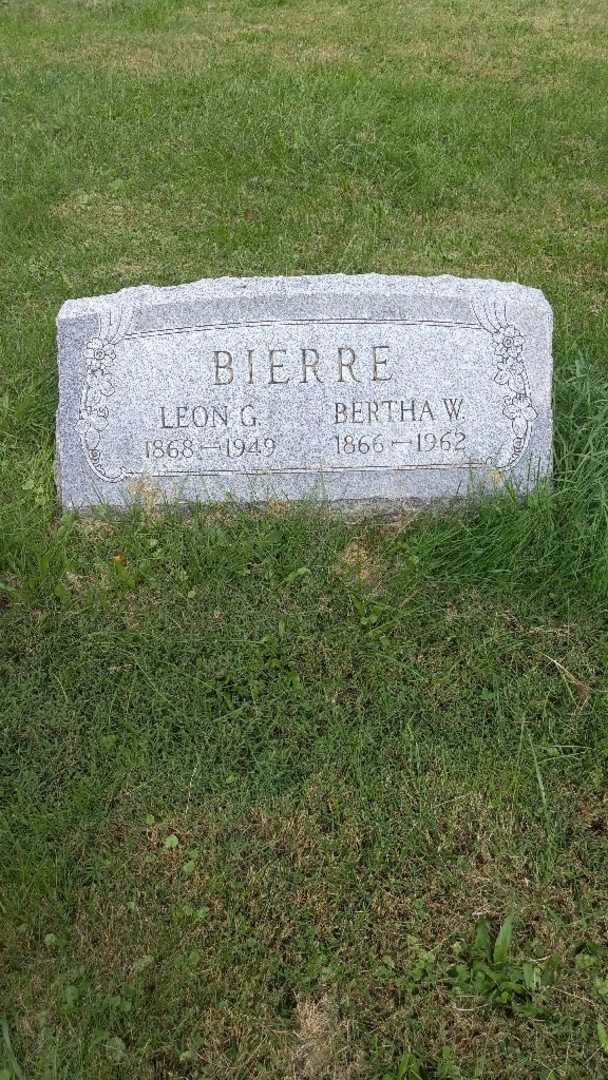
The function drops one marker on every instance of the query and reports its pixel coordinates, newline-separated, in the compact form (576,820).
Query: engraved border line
(207,328)
(299,322)
(318,471)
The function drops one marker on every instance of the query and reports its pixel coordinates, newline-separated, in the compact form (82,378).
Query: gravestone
(367,391)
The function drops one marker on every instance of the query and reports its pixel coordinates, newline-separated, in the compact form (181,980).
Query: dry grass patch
(130,273)
(312,56)
(458,60)
(101,211)
(143,55)
(315,1038)
(357,562)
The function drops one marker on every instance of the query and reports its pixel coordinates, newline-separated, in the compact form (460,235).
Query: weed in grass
(410,1067)
(490,973)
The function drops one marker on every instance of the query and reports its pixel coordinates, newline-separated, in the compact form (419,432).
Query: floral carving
(520,411)
(508,342)
(508,350)
(100,356)
(98,389)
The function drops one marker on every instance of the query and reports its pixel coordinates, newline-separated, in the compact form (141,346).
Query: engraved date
(350,444)
(174,449)
(422,443)
(170,448)
(239,447)
(449,440)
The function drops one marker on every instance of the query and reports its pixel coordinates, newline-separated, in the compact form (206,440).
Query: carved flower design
(508,343)
(98,380)
(89,433)
(508,346)
(92,422)
(99,359)
(510,371)
(520,411)
(100,355)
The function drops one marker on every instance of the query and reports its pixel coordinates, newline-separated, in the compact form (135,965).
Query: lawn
(285,796)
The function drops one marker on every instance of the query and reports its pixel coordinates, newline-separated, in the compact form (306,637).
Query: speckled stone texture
(367,392)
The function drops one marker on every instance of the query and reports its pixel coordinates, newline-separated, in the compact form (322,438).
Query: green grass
(266,775)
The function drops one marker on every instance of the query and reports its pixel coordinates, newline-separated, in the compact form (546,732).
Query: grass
(272,782)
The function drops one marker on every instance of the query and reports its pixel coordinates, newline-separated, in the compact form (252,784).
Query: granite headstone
(366,391)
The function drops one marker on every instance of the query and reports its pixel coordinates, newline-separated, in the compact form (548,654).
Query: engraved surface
(355,389)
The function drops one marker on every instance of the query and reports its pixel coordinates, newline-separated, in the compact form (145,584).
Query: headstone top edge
(444,285)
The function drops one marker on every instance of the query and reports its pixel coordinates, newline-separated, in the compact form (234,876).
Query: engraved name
(307,365)
(388,411)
